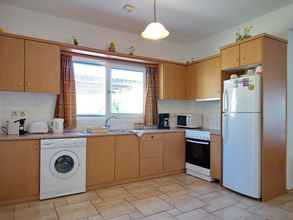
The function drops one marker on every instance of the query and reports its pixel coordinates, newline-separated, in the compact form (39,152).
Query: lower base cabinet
(100,162)
(19,170)
(216,157)
(174,151)
(127,157)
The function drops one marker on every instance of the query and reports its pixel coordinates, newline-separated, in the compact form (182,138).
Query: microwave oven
(189,120)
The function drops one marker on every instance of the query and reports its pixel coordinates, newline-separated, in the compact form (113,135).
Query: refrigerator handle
(225,128)
(226,102)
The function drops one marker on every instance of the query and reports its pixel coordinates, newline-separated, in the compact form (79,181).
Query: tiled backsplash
(37,107)
(40,107)
(209,110)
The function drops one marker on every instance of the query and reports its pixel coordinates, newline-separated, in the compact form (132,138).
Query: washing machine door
(64,164)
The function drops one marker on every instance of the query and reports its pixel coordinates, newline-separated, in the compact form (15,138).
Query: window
(127,91)
(90,81)
(103,90)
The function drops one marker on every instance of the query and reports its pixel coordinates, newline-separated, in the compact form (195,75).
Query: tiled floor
(179,197)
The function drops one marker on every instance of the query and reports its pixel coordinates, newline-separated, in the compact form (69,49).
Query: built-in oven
(198,154)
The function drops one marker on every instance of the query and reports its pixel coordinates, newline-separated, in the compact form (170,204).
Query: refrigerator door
(241,152)
(242,94)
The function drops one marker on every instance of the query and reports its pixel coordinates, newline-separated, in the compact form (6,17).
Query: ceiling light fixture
(155,30)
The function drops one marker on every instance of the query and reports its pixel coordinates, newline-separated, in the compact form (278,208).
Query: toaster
(38,127)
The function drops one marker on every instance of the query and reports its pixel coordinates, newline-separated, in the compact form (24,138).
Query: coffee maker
(164,121)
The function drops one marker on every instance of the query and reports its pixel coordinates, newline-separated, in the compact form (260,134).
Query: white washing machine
(63,167)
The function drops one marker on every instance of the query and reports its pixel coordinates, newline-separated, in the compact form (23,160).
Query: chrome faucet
(108,120)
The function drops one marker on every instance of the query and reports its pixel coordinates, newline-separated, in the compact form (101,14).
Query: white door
(241,152)
(242,94)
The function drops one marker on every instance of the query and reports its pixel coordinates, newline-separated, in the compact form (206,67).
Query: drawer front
(151,137)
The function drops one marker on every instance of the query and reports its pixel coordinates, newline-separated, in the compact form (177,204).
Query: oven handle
(197,142)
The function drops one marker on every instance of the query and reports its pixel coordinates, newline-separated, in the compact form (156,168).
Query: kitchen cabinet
(205,79)
(248,52)
(251,52)
(172,81)
(42,67)
(151,154)
(100,161)
(12,64)
(19,170)
(230,57)
(127,157)
(216,157)
(174,151)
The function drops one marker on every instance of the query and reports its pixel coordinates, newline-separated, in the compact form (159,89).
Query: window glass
(127,91)
(90,80)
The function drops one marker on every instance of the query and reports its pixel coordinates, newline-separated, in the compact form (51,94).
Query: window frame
(109,65)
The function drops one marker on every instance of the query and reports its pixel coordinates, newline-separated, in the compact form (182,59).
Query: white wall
(277,23)
(290,112)
(30,23)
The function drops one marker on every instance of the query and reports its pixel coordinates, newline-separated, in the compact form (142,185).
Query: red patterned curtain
(151,96)
(66,101)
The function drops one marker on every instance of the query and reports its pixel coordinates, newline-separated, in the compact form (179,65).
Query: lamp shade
(155,31)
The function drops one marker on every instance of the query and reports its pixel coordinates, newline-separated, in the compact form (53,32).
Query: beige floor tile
(76,211)
(201,189)
(161,216)
(164,181)
(123,217)
(114,209)
(186,203)
(36,213)
(151,206)
(113,193)
(174,187)
(185,179)
(4,209)
(136,215)
(174,212)
(96,217)
(271,213)
(209,196)
(83,197)
(143,193)
(142,184)
(219,203)
(287,206)
(198,214)
(281,199)
(236,213)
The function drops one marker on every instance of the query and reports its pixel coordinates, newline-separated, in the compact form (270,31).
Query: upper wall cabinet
(204,79)
(42,67)
(172,81)
(29,66)
(12,64)
(242,54)
(230,57)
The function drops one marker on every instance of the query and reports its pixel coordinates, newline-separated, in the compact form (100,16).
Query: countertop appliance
(39,127)
(164,121)
(63,167)
(189,120)
(242,135)
(198,154)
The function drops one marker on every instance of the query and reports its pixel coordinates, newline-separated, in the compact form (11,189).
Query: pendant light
(155,30)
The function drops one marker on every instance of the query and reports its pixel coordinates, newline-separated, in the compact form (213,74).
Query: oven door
(198,152)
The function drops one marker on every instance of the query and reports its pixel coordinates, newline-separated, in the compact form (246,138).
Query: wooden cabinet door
(12,64)
(174,151)
(151,153)
(42,67)
(172,81)
(216,155)
(230,57)
(251,52)
(19,170)
(208,79)
(100,160)
(127,157)
(191,82)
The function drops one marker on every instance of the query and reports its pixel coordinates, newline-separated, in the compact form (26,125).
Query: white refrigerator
(242,135)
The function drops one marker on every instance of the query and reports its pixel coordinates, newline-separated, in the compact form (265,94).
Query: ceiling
(187,20)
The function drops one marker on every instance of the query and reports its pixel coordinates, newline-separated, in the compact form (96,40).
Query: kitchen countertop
(80,134)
